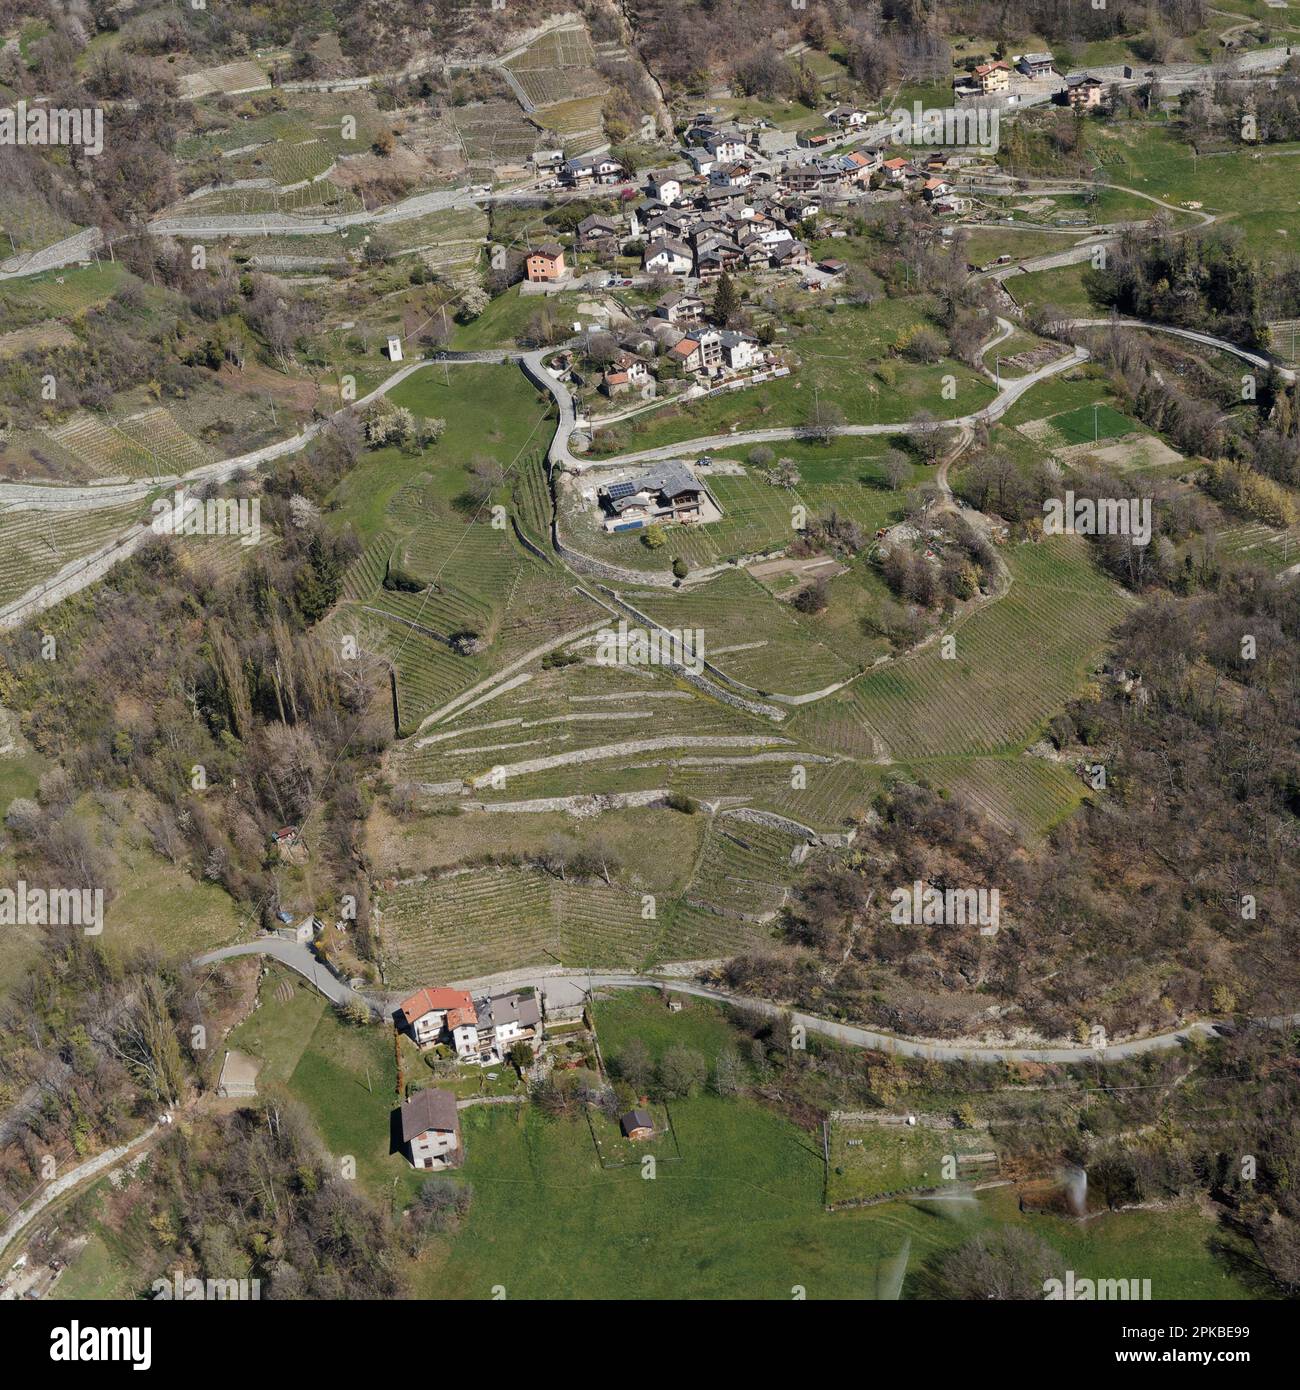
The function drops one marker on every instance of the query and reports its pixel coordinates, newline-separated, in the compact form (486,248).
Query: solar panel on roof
(620,490)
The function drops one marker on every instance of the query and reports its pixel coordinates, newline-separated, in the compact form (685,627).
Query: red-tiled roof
(425,1001)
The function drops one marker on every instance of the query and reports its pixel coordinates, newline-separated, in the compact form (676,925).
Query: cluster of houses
(581,171)
(678,331)
(1007,79)
(480,1031)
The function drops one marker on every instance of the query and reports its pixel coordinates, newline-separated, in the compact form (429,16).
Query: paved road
(1254,358)
(717,443)
(931,1049)
(297,958)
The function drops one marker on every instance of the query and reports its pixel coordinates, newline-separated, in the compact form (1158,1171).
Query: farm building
(431,1129)
(637,1124)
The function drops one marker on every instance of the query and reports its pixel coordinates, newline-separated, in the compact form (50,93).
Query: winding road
(302,960)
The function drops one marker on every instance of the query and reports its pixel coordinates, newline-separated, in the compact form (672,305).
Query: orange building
(547,263)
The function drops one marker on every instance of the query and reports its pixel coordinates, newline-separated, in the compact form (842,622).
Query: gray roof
(667,244)
(509,1008)
(668,479)
(428,1109)
(636,1119)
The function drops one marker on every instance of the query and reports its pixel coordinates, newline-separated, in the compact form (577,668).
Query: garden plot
(1135,453)
(872,1155)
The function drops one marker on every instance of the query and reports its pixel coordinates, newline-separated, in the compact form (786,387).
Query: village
(746,199)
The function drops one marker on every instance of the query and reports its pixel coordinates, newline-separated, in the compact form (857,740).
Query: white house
(424,1014)
(739,352)
(726,146)
(668,257)
(847,117)
(478,1030)
(666,187)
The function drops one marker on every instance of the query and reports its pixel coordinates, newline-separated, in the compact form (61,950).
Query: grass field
(1088,425)
(742,1214)
(881,1154)
(1254,189)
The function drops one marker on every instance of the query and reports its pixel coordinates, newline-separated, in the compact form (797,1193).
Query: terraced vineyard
(559,67)
(1025,796)
(1271,546)
(495,131)
(469,924)
(487,920)
(59,294)
(146,445)
(747,635)
(35,545)
(735,894)
(1018,660)
(531,500)
(582,715)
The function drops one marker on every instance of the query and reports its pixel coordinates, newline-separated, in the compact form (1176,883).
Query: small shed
(637,1124)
